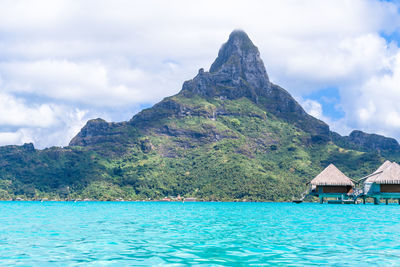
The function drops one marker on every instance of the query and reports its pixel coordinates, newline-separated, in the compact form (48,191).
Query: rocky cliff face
(358,140)
(239,72)
(239,60)
(91,132)
(367,141)
(99,131)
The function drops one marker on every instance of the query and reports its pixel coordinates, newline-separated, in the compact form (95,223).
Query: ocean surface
(209,234)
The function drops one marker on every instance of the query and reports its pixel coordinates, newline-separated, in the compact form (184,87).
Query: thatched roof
(383,166)
(389,175)
(331,176)
(377,172)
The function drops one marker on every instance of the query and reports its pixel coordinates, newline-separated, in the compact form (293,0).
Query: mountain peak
(239,72)
(240,58)
(238,66)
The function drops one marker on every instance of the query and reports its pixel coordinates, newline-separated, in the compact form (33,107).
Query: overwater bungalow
(332,183)
(384,183)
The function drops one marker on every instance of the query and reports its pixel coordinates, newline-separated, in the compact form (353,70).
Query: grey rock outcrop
(240,58)
(239,72)
(372,141)
(97,131)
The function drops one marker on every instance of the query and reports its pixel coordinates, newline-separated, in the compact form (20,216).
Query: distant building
(331,183)
(384,183)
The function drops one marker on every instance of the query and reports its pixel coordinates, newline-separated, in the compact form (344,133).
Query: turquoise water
(158,233)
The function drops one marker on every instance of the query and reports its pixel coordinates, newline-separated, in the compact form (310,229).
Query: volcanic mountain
(229,134)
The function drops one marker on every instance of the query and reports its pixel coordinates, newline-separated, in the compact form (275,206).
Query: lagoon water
(226,234)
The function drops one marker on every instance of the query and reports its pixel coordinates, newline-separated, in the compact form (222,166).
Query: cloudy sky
(64,62)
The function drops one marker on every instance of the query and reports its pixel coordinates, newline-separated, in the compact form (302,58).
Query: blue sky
(64,62)
(329,98)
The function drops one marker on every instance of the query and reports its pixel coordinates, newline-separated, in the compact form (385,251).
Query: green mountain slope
(230,134)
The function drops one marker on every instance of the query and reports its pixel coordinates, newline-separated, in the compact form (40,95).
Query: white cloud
(69,124)
(91,83)
(344,61)
(313,108)
(107,57)
(375,102)
(7,138)
(43,124)
(14,112)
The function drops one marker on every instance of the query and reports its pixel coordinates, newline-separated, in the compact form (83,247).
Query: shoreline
(191,201)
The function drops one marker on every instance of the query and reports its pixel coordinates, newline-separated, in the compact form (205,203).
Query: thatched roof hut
(388,173)
(331,176)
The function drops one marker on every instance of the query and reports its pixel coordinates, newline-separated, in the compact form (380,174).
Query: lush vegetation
(217,149)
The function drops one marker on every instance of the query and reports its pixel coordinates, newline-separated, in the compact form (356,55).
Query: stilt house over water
(384,183)
(331,182)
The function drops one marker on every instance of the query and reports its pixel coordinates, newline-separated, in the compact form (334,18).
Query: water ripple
(216,234)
